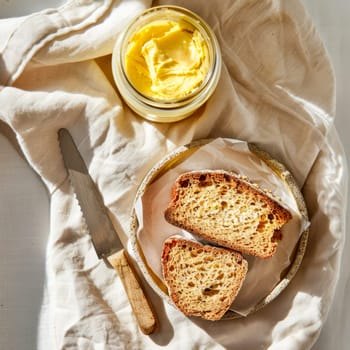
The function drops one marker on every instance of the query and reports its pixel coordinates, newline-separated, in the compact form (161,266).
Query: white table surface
(24,211)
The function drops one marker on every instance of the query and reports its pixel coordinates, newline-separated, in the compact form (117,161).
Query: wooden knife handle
(141,306)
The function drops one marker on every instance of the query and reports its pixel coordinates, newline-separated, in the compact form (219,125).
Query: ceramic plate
(239,156)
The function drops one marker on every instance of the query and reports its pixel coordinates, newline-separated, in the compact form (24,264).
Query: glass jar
(177,104)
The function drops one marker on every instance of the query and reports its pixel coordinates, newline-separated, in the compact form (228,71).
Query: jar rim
(172,13)
(166,109)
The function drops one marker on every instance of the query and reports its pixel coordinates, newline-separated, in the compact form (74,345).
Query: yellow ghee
(167,60)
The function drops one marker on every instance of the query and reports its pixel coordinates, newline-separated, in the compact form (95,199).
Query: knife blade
(105,239)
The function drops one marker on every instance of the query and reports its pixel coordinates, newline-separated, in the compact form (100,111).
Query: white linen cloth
(276,90)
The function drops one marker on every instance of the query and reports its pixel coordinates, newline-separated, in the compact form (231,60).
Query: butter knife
(105,239)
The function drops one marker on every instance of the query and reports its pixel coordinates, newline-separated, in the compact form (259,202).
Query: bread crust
(212,294)
(222,195)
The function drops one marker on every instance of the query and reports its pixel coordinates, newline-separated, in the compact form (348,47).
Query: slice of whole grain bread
(227,210)
(202,280)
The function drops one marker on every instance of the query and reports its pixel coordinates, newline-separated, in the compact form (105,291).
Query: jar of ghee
(166,63)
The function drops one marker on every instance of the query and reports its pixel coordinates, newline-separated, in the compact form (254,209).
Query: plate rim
(182,152)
